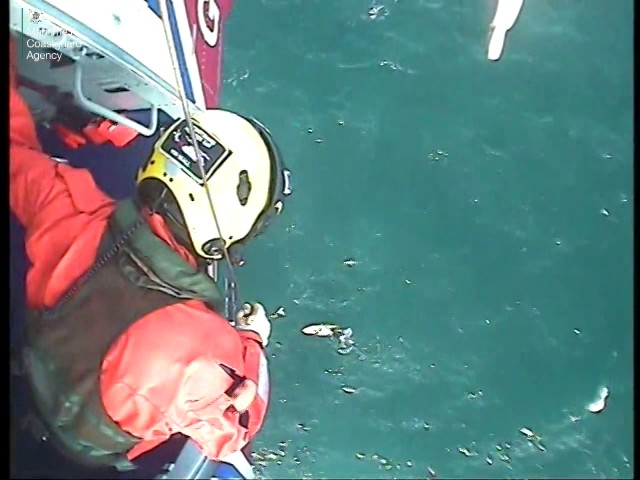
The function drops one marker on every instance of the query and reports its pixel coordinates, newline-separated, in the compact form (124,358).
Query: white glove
(254,318)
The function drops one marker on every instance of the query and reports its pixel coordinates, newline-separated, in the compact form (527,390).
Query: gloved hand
(253,317)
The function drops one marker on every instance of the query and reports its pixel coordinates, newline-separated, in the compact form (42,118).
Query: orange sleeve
(160,378)
(37,190)
(62,209)
(189,401)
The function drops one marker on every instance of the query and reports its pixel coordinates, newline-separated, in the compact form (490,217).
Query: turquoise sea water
(488,208)
(501,265)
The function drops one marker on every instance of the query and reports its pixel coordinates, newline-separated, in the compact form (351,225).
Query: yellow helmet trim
(236,152)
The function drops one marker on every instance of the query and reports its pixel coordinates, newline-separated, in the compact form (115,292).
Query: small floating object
(350,262)
(279,313)
(432,473)
(303,427)
(349,390)
(506,15)
(528,433)
(360,456)
(600,403)
(320,329)
(375,11)
(474,395)
(409,463)
(466,452)
(489,460)
(540,446)
(576,331)
(604,212)
(337,372)
(505,458)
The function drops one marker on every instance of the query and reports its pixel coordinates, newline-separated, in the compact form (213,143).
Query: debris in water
(604,212)
(340,122)
(540,446)
(320,329)
(573,418)
(489,460)
(303,427)
(600,403)
(360,456)
(576,331)
(432,473)
(318,140)
(350,262)
(505,458)
(426,426)
(310,130)
(349,390)
(279,313)
(437,155)
(375,11)
(528,433)
(466,452)
(473,395)
(409,463)
(346,343)
(375,456)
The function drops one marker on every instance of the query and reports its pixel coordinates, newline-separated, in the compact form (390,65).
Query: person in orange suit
(125,343)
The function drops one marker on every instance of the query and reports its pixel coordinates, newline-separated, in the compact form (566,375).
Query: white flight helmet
(243,170)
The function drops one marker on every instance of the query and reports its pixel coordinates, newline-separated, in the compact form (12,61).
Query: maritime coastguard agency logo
(34,16)
(43,40)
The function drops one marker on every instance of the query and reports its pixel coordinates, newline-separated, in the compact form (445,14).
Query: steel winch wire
(187,114)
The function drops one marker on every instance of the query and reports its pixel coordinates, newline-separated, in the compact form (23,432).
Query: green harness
(135,274)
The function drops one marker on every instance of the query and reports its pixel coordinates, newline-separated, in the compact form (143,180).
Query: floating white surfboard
(507,13)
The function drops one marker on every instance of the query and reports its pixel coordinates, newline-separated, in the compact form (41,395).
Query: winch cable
(164,9)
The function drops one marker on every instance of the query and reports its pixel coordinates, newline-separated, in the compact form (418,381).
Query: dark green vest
(135,273)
